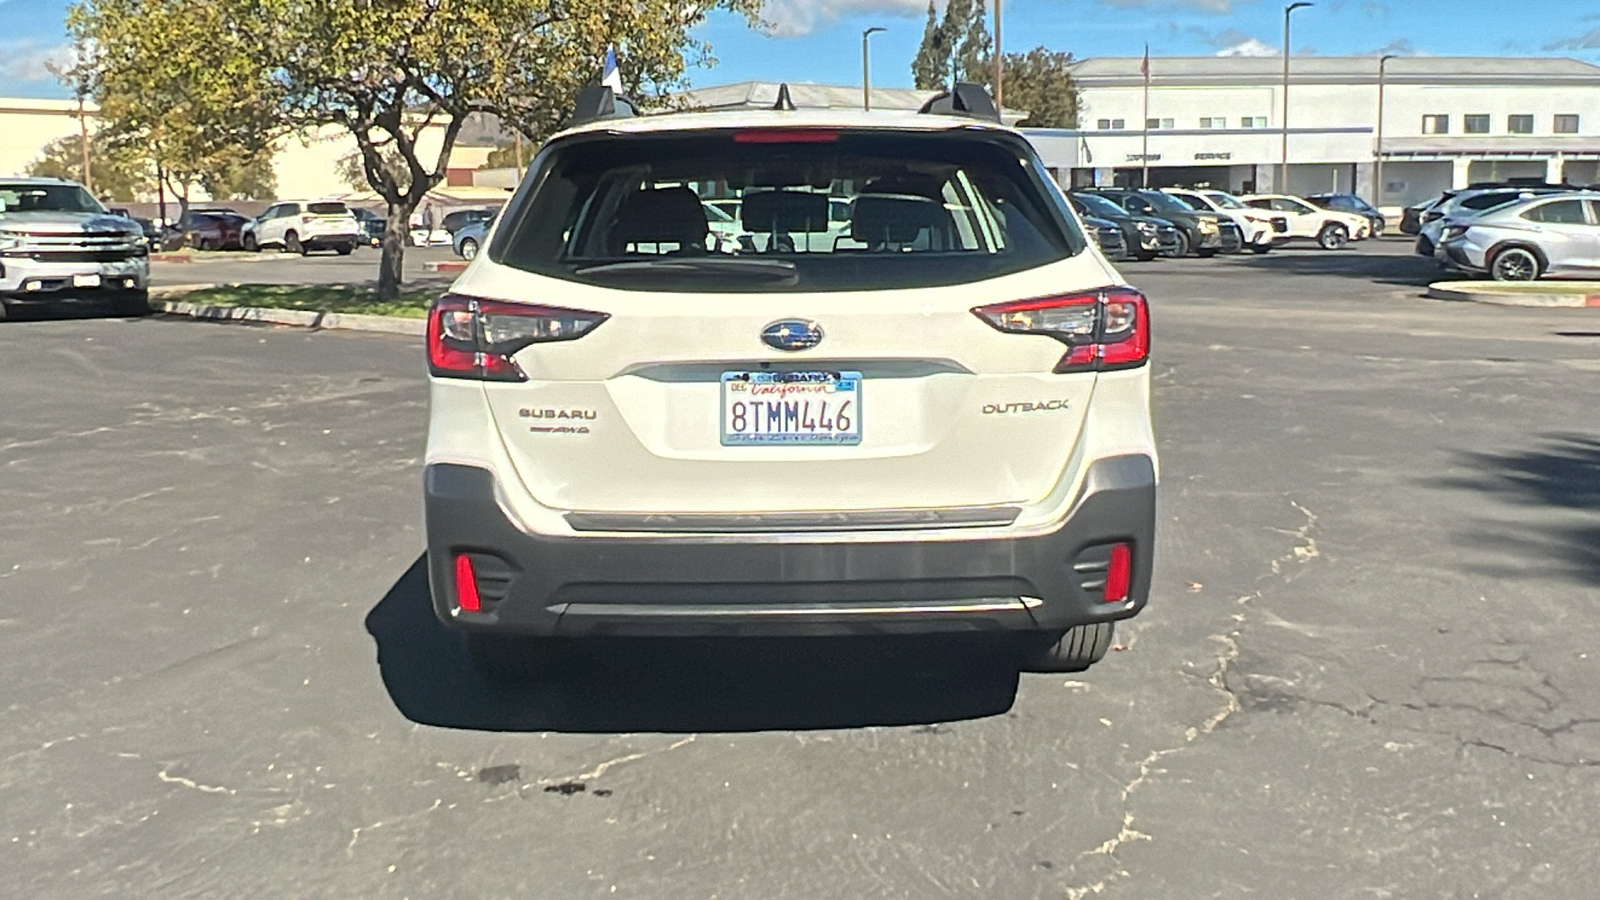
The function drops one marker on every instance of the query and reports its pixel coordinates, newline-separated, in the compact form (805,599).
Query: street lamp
(1283,165)
(866,67)
(1377,163)
(999,61)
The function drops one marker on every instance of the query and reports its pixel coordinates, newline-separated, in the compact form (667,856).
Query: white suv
(303,226)
(935,420)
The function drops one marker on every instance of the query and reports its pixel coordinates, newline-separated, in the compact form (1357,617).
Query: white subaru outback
(935,419)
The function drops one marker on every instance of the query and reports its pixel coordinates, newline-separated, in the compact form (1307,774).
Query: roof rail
(966,99)
(597,102)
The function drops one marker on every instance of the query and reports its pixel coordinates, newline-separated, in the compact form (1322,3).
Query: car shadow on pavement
(1409,270)
(1559,477)
(687,685)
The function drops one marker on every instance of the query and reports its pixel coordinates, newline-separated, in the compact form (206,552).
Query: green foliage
(241,178)
(1040,81)
(977,45)
(353,170)
(960,45)
(506,157)
(932,62)
(120,172)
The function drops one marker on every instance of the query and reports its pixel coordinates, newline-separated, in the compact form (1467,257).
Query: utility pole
(1377,161)
(999,60)
(866,67)
(83,144)
(1283,165)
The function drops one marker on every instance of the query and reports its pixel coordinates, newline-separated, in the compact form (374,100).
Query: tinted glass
(47,198)
(1099,206)
(327,209)
(1558,212)
(921,210)
(1166,203)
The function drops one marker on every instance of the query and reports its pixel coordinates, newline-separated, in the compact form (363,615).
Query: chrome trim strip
(822,520)
(788,610)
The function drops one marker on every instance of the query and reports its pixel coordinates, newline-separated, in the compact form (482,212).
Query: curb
(299,318)
(1580,296)
(445,266)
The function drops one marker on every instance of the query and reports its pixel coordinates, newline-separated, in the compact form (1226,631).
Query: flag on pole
(610,76)
(1144,64)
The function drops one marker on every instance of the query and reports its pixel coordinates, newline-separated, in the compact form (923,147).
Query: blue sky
(820,40)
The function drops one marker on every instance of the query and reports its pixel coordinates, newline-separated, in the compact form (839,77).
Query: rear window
(804,211)
(327,209)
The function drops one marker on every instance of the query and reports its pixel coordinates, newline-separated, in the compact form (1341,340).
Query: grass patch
(339,298)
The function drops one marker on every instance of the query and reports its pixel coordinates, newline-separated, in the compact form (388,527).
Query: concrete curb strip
(445,266)
(302,318)
(1579,295)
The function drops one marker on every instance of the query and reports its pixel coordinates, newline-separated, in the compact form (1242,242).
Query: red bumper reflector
(466,585)
(1119,574)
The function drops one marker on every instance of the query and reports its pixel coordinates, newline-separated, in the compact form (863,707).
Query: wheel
(248,243)
(508,659)
(469,249)
(291,244)
(1515,264)
(133,306)
(345,249)
(1183,246)
(206,245)
(1333,236)
(1074,650)
(1261,248)
(1205,254)
(1145,255)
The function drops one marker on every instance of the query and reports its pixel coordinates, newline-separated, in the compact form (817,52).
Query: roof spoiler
(597,102)
(965,99)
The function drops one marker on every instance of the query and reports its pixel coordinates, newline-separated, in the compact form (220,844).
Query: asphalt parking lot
(360,267)
(1366,670)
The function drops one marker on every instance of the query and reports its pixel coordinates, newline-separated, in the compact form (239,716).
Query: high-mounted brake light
(785,136)
(473,338)
(1104,330)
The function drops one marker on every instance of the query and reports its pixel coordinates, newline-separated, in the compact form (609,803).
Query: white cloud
(1588,41)
(27,61)
(792,18)
(1220,7)
(1249,47)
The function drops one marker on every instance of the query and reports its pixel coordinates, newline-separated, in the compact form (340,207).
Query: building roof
(809,95)
(1116,71)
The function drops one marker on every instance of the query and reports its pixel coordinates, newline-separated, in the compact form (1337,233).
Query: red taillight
(786,136)
(473,338)
(1107,329)
(1119,574)
(466,585)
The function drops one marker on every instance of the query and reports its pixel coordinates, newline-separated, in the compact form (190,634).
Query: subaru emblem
(792,334)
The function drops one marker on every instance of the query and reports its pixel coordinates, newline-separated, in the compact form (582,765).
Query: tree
(119,173)
(932,62)
(241,178)
(182,82)
(974,56)
(1040,81)
(353,169)
(505,157)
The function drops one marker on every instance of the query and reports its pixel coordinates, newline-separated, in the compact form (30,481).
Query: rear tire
(1333,236)
(1515,264)
(1205,254)
(291,244)
(248,244)
(345,249)
(1183,247)
(1074,650)
(1259,249)
(513,659)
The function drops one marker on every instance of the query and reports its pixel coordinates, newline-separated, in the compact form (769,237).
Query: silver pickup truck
(58,243)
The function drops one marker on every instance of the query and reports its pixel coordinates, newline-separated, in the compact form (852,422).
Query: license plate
(86,281)
(791,408)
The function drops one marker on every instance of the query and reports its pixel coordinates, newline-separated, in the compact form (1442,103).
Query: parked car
(458,219)
(470,238)
(1331,229)
(301,226)
(1544,235)
(1198,233)
(58,242)
(1411,218)
(372,225)
(940,423)
(1146,237)
(1350,203)
(1108,237)
(214,231)
(1465,204)
(1261,230)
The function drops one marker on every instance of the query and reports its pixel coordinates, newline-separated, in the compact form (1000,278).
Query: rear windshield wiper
(777,270)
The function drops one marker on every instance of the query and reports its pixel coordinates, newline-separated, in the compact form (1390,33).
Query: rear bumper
(814,583)
(330,241)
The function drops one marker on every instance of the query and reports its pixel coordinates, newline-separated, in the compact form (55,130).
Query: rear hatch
(637,365)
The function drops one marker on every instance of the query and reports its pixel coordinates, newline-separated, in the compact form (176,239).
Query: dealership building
(1447,122)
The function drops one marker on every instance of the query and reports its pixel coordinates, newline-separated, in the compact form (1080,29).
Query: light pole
(1377,161)
(999,61)
(866,67)
(1283,165)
